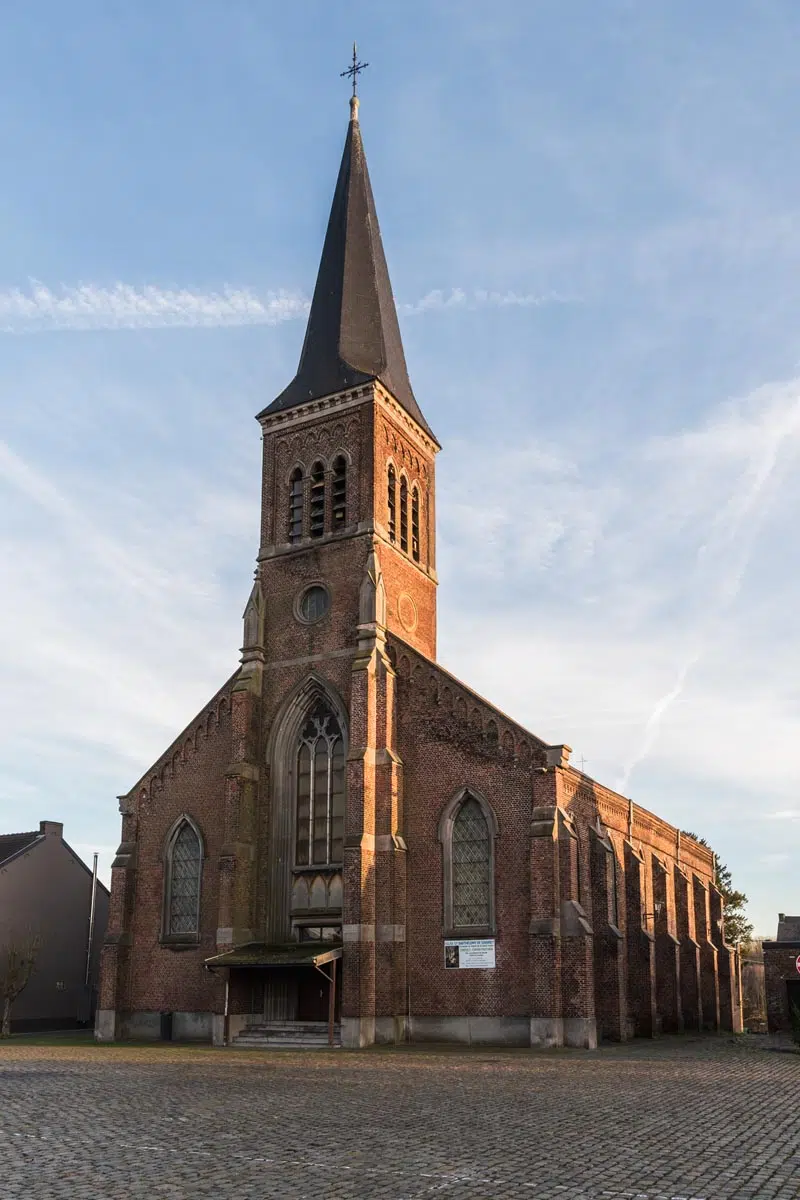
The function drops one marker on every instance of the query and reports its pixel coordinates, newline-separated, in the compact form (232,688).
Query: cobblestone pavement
(717,1118)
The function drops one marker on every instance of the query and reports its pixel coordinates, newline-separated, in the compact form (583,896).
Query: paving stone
(675,1119)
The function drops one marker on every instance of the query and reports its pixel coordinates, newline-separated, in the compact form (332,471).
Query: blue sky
(590,213)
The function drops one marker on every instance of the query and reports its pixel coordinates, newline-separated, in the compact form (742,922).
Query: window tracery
(467,830)
(184,869)
(319,824)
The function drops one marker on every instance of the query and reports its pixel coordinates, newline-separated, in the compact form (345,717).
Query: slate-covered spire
(353,335)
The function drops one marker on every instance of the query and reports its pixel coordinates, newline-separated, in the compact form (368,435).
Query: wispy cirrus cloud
(90,306)
(123,306)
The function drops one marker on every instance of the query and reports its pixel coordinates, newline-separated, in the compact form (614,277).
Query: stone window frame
(446,824)
(183,940)
(280,759)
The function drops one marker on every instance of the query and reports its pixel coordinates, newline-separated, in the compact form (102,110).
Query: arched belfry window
(404,514)
(467,831)
(415,523)
(339,493)
(184,868)
(296,505)
(319,799)
(317,513)
(392,503)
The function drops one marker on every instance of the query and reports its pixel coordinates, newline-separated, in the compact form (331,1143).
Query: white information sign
(474,952)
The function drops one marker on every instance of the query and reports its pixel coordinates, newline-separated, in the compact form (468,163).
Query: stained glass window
(185,863)
(319,827)
(471,849)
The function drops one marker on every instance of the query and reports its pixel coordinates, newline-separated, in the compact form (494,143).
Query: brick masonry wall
(418,736)
(780,970)
(187,780)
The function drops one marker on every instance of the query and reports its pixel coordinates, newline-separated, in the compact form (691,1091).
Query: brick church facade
(347,833)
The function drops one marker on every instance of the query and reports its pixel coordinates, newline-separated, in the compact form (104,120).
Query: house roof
(14,843)
(353,335)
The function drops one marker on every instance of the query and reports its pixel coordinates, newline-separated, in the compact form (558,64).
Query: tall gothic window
(467,830)
(184,869)
(317,522)
(296,506)
(404,514)
(415,523)
(319,826)
(392,503)
(470,866)
(339,493)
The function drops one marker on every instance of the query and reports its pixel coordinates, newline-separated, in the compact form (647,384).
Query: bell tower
(348,457)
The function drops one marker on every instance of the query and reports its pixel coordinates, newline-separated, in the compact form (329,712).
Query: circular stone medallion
(407,612)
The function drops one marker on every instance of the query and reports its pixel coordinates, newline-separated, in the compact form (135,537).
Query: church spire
(353,335)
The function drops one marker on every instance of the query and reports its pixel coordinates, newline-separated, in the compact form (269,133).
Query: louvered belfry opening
(296,506)
(415,523)
(392,503)
(471,866)
(404,514)
(317,501)
(339,493)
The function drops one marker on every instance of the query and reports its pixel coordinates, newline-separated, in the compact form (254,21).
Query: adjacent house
(782,975)
(46,892)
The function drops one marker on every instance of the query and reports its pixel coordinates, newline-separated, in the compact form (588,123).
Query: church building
(349,843)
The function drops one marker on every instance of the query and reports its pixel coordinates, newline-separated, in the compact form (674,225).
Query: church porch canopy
(260,955)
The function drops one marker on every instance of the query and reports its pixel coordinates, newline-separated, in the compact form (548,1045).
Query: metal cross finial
(353,71)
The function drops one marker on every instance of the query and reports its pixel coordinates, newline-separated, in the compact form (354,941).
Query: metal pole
(226,1016)
(331,1002)
(91,923)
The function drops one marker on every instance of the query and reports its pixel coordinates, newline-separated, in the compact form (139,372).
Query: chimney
(52,828)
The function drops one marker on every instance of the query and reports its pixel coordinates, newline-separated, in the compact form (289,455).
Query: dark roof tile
(13,843)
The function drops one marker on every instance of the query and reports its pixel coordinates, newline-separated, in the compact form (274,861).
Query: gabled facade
(347,833)
(46,892)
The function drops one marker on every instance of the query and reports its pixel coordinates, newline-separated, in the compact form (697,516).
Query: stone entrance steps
(289,1035)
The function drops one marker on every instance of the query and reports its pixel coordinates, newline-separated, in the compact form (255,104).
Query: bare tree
(17,960)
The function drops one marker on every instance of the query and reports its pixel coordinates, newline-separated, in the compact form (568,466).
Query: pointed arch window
(339,493)
(415,523)
(184,867)
(404,514)
(319,800)
(317,514)
(296,505)
(392,503)
(467,831)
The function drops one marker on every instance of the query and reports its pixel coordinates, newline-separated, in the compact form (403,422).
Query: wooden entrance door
(312,996)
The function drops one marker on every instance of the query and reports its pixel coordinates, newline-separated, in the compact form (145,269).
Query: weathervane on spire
(353,71)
